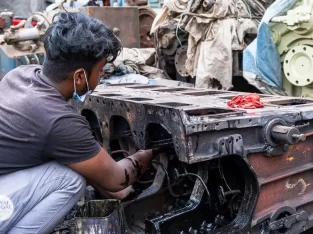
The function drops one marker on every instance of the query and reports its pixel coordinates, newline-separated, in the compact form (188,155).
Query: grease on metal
(99,216)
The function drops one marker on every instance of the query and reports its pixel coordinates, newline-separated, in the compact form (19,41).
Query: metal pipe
(24,34)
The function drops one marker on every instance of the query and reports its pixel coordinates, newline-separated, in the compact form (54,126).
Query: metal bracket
(288,221)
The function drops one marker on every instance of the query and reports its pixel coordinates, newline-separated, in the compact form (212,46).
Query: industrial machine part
(136,33)
(292,34)
(6,19)
(171,47)
(171,44)
(115,18)
(102,216)
(21,45)
(226,171)
(146,17)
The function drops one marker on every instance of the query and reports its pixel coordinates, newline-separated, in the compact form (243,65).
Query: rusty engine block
(228,171)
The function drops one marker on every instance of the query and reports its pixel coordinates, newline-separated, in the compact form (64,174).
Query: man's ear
(79,77)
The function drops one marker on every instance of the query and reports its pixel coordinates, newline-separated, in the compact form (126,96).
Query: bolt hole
(293,51)
(98,101)
(223,143)
(205,126)
(288,74)
(304,48)
(308,80)
(89,99)
(103,102)
(230,142)
(237,140)
(297,82)
(250,120)
(193,127)
(286,61)
(217,124)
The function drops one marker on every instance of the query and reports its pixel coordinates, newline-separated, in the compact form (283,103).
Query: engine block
(228,170)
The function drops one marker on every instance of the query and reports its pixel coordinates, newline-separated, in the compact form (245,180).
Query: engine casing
(293,36)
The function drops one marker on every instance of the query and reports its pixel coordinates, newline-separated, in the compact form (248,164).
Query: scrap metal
(146,17)
(21,45)
(228,170)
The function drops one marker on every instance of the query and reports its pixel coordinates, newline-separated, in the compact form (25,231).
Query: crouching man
(46,149)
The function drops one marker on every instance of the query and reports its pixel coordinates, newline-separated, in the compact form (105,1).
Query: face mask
(82,97)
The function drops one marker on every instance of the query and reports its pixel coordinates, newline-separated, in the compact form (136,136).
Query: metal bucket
(99,217)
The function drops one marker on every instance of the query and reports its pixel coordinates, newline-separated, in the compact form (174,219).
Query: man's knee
(71,180)
(75,182)
(78,183)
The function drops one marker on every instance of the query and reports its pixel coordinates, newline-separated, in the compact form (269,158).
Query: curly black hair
(75,40)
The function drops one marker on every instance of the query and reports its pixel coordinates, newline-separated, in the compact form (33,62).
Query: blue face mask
(81,98)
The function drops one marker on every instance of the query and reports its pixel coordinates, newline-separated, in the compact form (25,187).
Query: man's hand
(104,172)
(120,195)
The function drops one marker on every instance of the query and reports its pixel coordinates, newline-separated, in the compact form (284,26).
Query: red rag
(249,101)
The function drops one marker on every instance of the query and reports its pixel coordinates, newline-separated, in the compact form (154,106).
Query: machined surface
(277,177)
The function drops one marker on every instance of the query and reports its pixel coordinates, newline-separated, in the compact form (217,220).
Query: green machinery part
(293,36)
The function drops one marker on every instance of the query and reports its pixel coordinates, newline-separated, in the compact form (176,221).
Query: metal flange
(180,60)
(298,65)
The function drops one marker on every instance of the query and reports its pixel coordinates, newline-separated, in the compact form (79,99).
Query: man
(46,149)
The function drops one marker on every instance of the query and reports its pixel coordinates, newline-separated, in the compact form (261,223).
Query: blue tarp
(261,57)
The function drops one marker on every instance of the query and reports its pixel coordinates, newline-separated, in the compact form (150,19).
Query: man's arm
(112,176)
(71,142)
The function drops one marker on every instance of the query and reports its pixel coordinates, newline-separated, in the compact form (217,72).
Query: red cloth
(249,101)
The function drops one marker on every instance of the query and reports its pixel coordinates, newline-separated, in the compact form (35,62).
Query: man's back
(29,109)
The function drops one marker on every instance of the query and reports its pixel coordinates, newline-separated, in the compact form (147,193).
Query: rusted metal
(255,182)
(115,17)
(137,2)
(146,17)
(285,180)
(2,23)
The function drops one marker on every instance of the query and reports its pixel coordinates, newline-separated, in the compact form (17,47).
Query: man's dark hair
(75,40)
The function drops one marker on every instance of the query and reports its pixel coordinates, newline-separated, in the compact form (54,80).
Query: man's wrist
(157,151)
